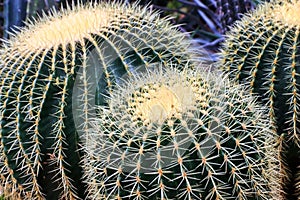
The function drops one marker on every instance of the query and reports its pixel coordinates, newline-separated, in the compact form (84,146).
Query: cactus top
(66,27)
(76,23)
(287,13)
(157,103)
(282,12)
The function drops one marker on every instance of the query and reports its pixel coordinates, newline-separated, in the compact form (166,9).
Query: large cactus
(173,135)
(262,51)
(82,47)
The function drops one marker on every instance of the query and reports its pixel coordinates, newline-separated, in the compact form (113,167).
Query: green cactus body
(262,51)
(39,140)
(173,135)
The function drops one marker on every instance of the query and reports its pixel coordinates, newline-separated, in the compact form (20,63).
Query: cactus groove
(39,140)
(174,135)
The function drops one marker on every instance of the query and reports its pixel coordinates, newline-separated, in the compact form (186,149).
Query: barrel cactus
(48,70)
(262,51)
(174,135)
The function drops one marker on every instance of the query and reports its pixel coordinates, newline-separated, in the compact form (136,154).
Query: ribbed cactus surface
(174,135)
(262,51)
(49,67)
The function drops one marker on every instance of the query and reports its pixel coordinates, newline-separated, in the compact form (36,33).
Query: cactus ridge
(39,140)
(212,142)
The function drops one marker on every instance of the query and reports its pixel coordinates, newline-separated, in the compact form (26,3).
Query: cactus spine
(38,138)
(174,135)
(262,51)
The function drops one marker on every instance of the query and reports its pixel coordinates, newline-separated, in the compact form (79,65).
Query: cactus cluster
(39,137)
(167,134)
(262,51)
(110,101)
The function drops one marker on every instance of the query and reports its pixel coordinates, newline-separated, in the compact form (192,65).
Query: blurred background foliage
(204,20)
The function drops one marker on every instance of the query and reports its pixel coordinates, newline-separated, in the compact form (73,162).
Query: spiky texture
(262,51)
(173,135)
(94,44)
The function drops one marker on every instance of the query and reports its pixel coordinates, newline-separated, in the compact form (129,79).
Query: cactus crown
(287,13)
(156,102)
(217,146)
(73,25)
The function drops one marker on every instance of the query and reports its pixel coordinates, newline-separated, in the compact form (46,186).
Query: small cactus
(174,135)
(40,66)
(262,51)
